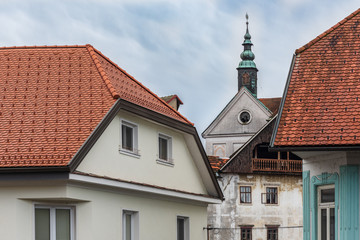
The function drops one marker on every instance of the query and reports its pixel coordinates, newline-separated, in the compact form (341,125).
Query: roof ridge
(140,84)
(319,37)
(44,46)
(103,75)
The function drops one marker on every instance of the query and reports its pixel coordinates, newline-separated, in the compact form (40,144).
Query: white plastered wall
(98,212)
(104,158)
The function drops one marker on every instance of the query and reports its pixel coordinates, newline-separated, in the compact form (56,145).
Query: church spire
(247,71)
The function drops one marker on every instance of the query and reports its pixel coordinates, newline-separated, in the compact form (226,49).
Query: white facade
(109,183)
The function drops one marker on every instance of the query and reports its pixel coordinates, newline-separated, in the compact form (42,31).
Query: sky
(186,47)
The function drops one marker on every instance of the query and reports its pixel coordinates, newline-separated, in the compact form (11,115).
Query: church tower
(247,71)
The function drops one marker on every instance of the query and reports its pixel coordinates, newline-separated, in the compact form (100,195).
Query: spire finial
(247,22)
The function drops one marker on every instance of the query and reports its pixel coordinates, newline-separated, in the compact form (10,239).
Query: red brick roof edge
(319,37)
(139,83)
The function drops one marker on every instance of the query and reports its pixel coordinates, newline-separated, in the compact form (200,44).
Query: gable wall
(104,158)
(227,131)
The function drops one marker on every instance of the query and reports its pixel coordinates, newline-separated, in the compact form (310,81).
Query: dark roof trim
(310,148)
(36,169)
(282,103)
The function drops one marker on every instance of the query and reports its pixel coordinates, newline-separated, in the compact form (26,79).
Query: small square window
(271,196)
(245,194)
(165,148)
(129,137)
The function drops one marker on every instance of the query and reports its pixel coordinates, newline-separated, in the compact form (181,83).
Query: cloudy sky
(186,47)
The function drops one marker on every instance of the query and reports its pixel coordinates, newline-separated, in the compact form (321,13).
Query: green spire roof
(247,55)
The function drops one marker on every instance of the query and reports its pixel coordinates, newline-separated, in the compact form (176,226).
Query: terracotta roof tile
(217,162)
(53,97)
(271,103)
(322,103)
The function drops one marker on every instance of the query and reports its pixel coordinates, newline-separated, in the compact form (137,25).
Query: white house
(88,152)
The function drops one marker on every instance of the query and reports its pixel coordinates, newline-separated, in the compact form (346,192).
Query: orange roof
(53,97)
(271,103)
(217,162)
(322,102)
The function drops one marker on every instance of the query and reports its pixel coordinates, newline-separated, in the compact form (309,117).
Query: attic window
(244,117)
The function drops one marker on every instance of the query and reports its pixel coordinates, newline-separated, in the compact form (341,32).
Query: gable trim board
(273,136)
(247,143)
(243,90)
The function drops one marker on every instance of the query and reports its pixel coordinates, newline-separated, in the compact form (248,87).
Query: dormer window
(129,137)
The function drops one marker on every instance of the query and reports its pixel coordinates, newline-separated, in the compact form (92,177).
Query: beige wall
(98,213)
(105,159)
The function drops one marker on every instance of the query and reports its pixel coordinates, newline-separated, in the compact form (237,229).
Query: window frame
(134,224)
(327,206)
(169,160)
(272,228)
(264,196)
(186,227)
(246,228)
(134,151)
(52,220)
(241,192)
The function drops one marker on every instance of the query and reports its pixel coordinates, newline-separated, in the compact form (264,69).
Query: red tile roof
(53,97)
(271,103)
(217,162)
(322,102)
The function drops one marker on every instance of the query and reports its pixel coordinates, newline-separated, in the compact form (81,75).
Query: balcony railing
(276,165)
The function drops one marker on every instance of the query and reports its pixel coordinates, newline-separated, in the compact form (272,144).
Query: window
(129,137)
(130,225)
(271,196)
(272,233)
(54,223)
(165,148)
(245,194)
(326,212)
(244,117)
(246,233)
(182,228)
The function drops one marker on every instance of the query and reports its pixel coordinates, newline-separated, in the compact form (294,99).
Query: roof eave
(309,148)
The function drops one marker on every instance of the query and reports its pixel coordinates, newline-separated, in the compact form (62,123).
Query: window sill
(246,204)
(129,153)
(271,204)
(165,163)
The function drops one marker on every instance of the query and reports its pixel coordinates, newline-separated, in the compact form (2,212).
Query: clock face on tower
(246,79)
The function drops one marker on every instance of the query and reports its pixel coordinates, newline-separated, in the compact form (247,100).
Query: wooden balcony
(276,165)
